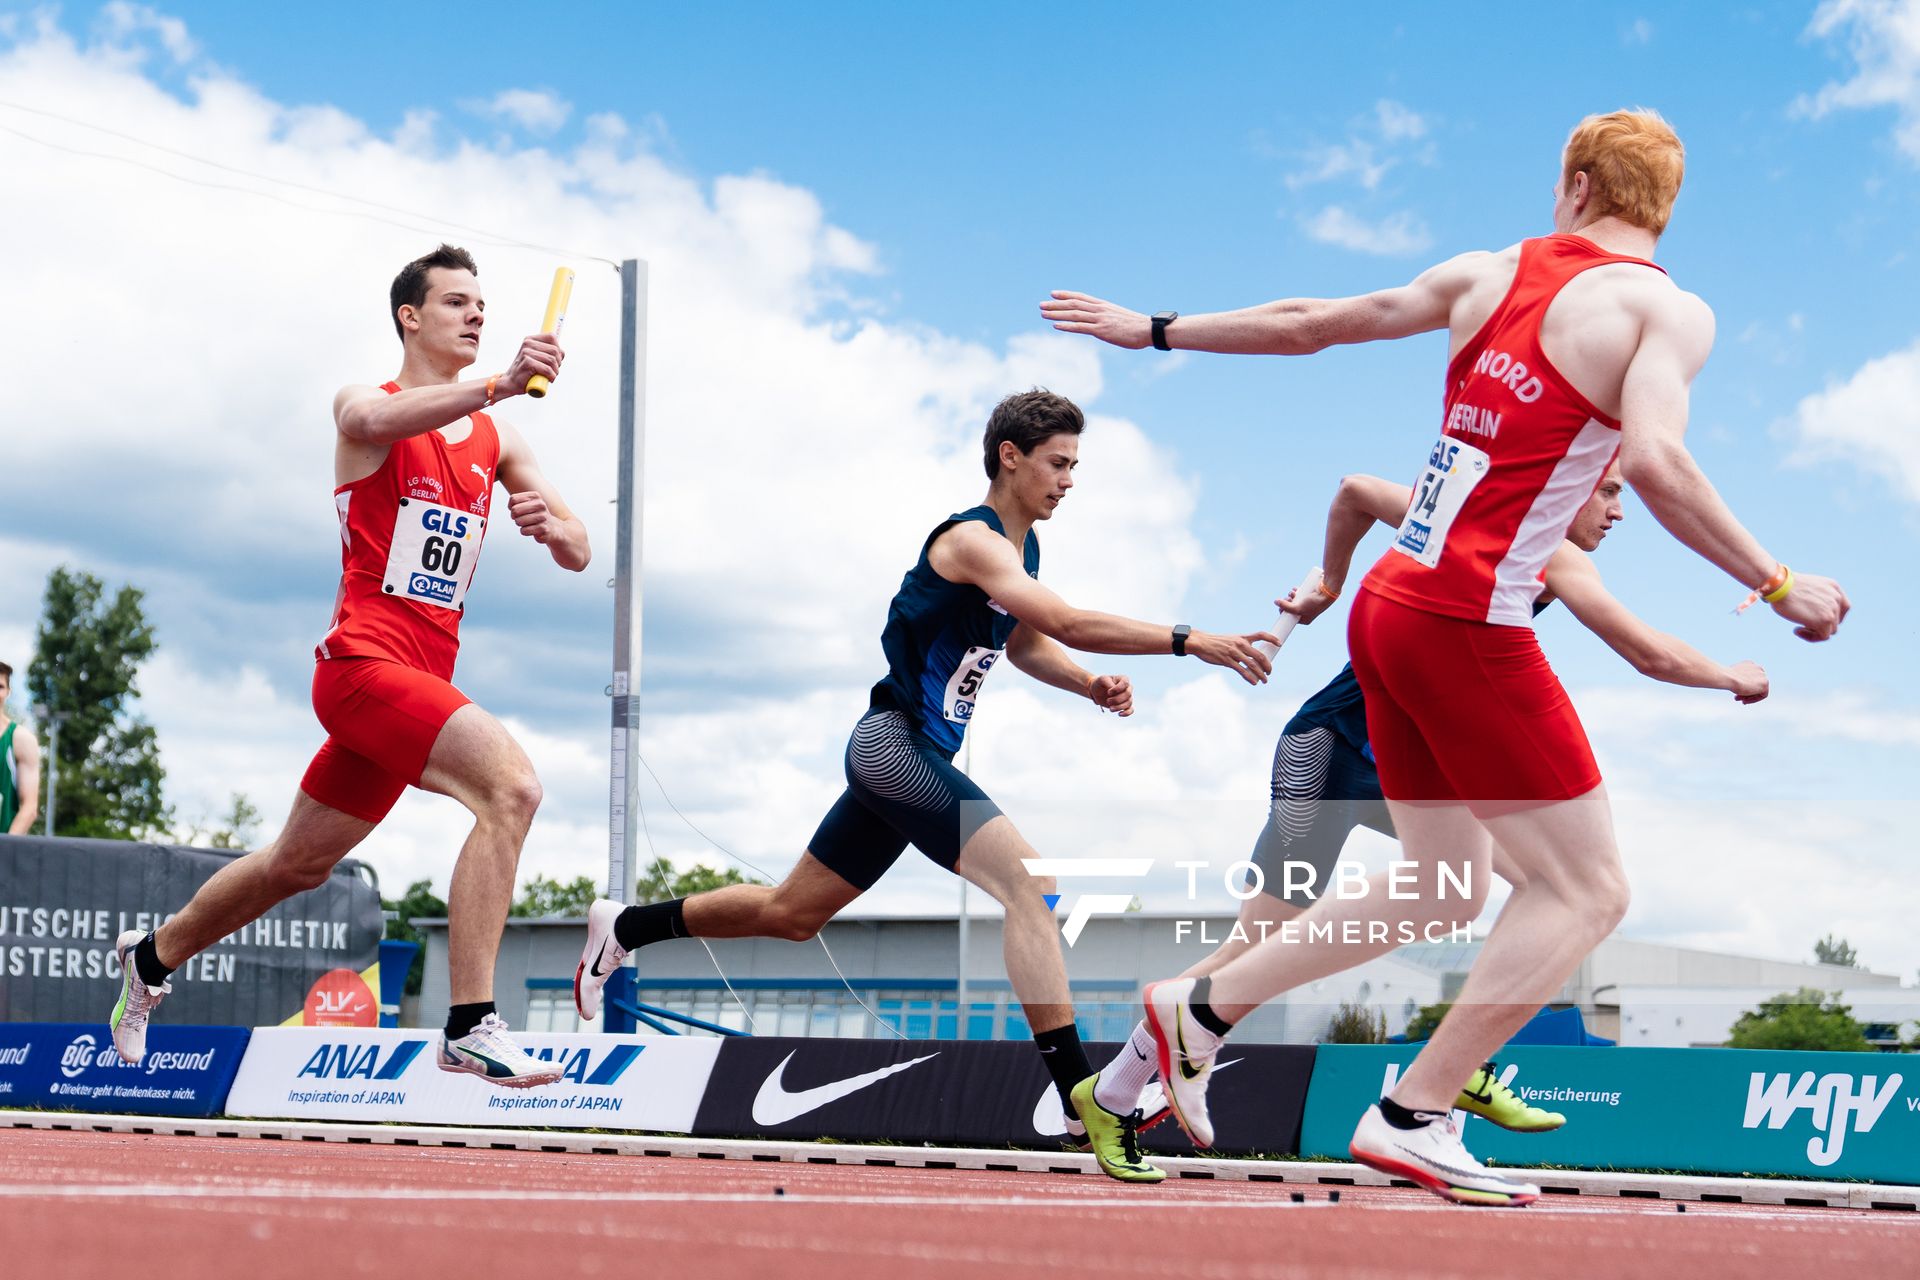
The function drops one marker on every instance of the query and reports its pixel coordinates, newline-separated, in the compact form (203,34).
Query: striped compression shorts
(1322,789)
(900,790)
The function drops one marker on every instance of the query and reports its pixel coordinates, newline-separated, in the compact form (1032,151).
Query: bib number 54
(1453,469)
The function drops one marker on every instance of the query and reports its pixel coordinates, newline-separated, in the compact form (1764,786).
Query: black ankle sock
(463,1018)
(1401,1118)
(146,962)
(656,922)
(1066,1060)
(1203,1012)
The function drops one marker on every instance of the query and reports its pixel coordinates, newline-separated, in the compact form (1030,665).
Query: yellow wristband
(1779,593)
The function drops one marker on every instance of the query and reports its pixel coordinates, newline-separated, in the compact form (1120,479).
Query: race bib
(1453,469)
(963,689)
(434,551)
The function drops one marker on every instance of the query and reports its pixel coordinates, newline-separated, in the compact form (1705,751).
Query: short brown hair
(6,671)
(1027,418)
(1633,161)
(410,286)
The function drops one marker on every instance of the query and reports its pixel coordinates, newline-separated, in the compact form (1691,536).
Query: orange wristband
(1327,591)
(1773,590)
(490,385)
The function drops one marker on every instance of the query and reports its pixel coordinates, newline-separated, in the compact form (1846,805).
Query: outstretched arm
(26,777)
(537,507)
(1654,459)
(1358,504)
(1049,663)
(1572,577)
(974,553)
(1289,327)
(368,415)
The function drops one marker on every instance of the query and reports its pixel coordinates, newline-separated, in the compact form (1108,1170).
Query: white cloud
(794,461)
(1398,122)
(1871,420)
(535,110)
(1391,236)
(1370,150)
(1883,38)
(1639,31)
(119,20)
(1764,857)
(1355,158)
(1376,143)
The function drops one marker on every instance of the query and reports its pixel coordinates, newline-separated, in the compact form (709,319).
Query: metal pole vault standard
(624,791)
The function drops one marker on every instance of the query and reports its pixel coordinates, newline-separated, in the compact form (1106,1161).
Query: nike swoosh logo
(594,968)
(1137,1053)
(1050,1118)
(1187,1071)
(776,1104)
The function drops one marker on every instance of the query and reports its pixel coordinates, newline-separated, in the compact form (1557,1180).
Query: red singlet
(1519,453)
(410,534)
(1461,704)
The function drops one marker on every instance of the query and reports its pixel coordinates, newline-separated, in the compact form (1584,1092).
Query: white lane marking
(1265,1201)
(170,1191)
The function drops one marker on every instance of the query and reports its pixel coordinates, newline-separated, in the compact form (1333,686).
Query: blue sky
(810,183)
(1151,155)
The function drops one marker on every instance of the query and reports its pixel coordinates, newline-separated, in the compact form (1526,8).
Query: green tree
(659,880)
(1832,950)
(544,897)
(88,651)
(1804,1019)
(1421,1025)
(235,829)
(418,903)
(1356,1024)
(238,826)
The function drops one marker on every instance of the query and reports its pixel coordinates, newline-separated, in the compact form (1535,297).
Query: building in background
(900,978)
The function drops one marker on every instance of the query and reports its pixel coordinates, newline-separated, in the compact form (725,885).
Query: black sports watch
(1180,634)
(1161,320)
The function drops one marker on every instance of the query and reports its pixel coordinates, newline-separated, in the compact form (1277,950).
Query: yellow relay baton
(557,299)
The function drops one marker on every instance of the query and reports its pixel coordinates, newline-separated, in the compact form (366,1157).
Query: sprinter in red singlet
(1565,351)
(415,464)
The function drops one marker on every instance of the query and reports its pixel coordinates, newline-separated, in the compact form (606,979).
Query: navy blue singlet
(941,640)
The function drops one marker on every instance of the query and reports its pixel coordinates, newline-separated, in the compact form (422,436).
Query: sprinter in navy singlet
(942,640)
(971,601)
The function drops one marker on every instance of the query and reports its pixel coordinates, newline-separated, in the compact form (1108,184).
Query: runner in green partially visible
(19,767)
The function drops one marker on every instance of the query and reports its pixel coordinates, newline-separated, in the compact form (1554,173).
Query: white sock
(1131,1070)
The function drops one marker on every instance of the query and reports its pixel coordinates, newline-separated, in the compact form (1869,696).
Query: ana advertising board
(1821,1115)
(74,1067)
(391,1074)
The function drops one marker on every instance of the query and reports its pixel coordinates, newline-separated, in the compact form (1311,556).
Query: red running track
(76,1205)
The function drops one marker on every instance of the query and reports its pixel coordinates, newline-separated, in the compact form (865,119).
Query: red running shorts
(1465,712)
(382,719)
